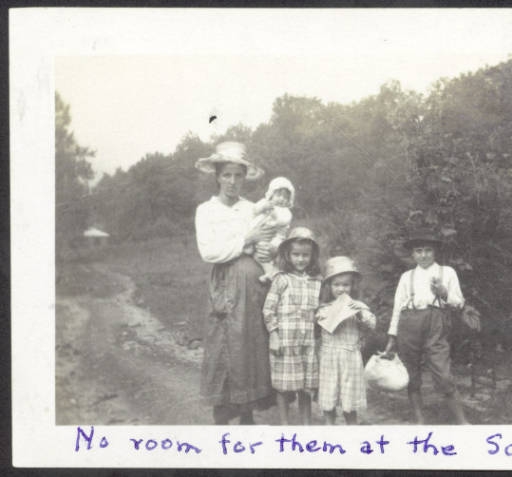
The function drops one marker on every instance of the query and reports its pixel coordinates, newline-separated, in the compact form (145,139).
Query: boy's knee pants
(422,340)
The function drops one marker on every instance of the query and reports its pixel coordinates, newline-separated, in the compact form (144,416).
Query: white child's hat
(301,233)
(281,183)
(338,265)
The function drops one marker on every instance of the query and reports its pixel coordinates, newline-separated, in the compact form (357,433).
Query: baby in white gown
(273,210)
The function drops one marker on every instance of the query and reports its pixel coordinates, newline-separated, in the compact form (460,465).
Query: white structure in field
(94,237)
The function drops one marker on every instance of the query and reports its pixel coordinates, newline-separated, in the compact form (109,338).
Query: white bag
(386,374)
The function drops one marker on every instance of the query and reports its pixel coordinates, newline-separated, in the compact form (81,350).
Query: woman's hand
(264,205)
(274,345)
(260,233)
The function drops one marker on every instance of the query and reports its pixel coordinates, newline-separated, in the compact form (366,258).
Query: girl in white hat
(289,314)
(341,364)
(274,211)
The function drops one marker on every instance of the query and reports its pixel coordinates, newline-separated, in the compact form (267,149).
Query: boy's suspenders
(411,289)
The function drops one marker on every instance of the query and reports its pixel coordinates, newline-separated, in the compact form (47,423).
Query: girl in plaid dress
(289,317)
(341,364)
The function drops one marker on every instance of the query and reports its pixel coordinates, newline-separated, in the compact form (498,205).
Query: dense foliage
(72,173)
(366,173)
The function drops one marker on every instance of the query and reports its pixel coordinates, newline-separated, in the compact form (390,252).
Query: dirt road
(118,364)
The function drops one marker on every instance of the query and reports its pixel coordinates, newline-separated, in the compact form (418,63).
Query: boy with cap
(420,322)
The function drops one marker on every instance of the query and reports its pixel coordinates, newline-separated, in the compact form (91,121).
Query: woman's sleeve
(259,207)
(271,303)
(216,245)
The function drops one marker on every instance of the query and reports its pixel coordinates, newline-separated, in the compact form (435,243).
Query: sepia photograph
(181,295)
(308,223)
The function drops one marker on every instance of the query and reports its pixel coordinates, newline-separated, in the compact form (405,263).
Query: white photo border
(37,37)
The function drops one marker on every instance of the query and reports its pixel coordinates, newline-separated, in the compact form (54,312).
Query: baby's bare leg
(269,269)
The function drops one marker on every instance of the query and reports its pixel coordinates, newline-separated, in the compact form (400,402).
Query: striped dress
(341,365)
(290,309)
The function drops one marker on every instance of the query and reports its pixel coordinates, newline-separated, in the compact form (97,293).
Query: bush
(365,174)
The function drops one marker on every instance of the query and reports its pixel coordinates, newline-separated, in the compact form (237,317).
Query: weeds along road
(116,363)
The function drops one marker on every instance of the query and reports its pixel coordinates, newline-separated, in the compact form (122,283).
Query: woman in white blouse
(235,375)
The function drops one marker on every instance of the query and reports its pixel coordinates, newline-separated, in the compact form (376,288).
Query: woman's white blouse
(221,229)
(423,296)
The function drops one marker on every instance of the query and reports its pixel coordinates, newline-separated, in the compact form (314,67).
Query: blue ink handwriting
(165,444)
(491,440)
(87,439)
(80,434)
(311,446)
(366,447)
(427,445)
(238,446)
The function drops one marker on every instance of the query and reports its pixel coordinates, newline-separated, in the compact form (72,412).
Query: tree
(366,173)
(156,197)
(72,173)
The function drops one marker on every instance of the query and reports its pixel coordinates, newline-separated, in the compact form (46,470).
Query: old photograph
(287,240)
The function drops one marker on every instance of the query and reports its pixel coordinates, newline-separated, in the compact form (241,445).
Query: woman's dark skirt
(236,369)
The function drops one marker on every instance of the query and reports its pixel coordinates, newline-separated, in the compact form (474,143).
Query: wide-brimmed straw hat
(296,233)
(422,237)
(338,265)
(229,152)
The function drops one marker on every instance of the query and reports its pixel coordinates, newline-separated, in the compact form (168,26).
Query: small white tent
(96,237)
(93,232)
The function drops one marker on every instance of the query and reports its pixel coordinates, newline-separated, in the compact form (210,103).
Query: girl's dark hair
(284,263)
(326,293)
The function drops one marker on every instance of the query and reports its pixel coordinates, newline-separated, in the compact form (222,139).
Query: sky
(125,106)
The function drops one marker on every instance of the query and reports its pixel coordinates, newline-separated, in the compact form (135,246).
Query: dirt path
(118,364)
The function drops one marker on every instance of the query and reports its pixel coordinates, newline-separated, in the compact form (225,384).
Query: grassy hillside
(170,277)
(171,283)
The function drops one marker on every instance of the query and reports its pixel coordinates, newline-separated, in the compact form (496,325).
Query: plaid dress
(290,308)
(341,365)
